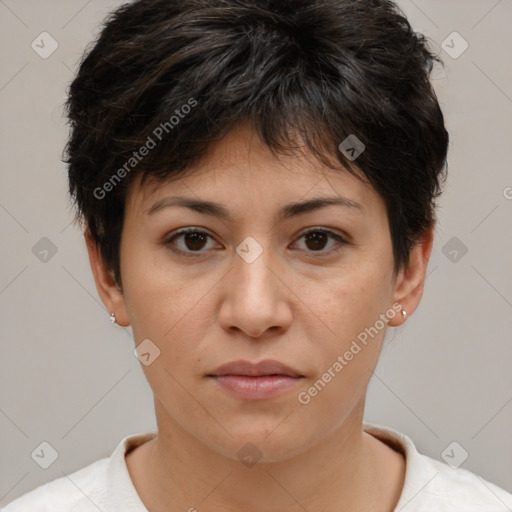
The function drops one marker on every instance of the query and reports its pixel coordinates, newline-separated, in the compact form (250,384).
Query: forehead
(241,171)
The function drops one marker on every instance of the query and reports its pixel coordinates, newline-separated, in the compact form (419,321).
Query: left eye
(194,240)
(316,239)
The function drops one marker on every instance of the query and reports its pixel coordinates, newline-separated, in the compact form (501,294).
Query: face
(312,288)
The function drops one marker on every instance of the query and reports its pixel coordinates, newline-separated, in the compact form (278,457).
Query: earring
(113,318)
(404,313)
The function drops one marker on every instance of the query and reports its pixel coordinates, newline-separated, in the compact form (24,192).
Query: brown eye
(316,240)
(194,241)
(191,241)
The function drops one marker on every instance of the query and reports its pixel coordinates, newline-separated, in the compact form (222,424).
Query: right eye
(192,241)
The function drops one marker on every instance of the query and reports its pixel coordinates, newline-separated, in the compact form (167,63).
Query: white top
(430,485)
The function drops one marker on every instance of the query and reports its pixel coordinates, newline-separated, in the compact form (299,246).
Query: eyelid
(328,230)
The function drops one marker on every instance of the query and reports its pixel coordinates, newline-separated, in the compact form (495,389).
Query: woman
(256,182)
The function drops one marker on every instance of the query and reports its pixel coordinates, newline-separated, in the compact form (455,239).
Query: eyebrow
(289,210)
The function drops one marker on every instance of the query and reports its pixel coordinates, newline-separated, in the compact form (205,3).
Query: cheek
(155,295)
(346,332)
(168,305)
(348,299)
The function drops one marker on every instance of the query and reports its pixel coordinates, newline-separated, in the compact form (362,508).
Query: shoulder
(457,489)
(434,485)
(66,493)
(102,485)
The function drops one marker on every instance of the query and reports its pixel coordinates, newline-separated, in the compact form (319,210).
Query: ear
(108,290)
(411,278)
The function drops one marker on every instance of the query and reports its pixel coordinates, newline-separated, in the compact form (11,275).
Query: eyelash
(195,254)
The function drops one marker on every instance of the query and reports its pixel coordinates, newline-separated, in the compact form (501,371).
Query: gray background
(70,378)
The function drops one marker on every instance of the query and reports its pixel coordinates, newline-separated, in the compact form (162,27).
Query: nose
(255,297)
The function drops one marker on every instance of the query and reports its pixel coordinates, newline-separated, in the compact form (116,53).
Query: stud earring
(404,313)
(113,318)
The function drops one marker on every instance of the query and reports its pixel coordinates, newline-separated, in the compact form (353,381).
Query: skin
(290,304)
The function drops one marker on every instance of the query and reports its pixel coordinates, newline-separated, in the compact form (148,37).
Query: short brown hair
(325,69)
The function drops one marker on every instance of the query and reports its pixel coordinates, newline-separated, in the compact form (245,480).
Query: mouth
(267,367)
(255,381)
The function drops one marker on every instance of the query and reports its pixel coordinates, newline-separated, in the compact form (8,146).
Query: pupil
(317,238)
(194,241)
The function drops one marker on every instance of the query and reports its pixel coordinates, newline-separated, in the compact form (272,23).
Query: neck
(345,470)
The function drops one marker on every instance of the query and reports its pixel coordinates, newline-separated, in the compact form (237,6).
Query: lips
(246,368)
(264,380)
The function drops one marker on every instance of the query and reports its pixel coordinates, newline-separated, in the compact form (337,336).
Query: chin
(263,442)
